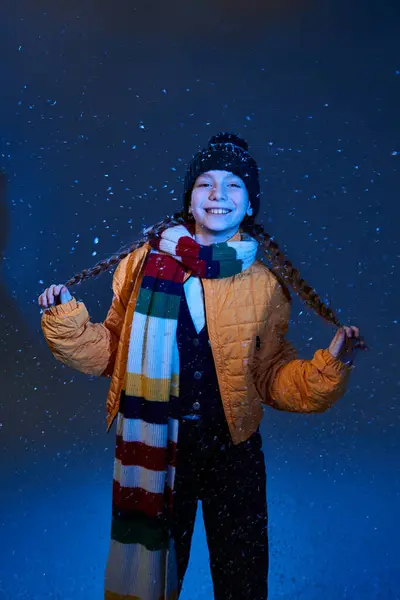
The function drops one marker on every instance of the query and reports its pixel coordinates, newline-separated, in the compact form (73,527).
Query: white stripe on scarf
(151,434)
(164,357)
(125,568)
(136,430)
(139,477)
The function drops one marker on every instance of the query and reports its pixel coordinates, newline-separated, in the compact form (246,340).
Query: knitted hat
(225,152)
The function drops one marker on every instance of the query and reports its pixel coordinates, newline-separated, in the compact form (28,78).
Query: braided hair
(280,266)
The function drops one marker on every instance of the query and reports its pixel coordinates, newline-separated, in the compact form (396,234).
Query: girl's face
(219,203)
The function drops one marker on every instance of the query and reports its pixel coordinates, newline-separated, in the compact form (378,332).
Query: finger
(340,339)
(355,330)
(348,333)
(348,341)
(46,298)
(49,297)
(43,300)
(57,294)
(65,296)
(50,294)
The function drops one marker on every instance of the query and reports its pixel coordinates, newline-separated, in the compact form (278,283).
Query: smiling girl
(194,343)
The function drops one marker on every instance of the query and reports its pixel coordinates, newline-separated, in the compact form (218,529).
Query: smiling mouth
(218,211)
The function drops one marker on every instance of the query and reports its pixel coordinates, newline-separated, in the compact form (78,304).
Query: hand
(55,294)
(347,343)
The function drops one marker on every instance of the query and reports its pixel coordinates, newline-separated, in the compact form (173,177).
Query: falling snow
(101,110)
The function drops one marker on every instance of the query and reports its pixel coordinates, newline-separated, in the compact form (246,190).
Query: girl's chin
(217,224)
(217,220)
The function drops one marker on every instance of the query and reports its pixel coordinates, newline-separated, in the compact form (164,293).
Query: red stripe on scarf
(142,455)
(189,250)
(198,266)
(164,267)
(187,246)
(137,499)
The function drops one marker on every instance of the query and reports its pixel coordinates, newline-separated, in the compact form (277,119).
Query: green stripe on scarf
(227,257)
(165,306)
(138,532)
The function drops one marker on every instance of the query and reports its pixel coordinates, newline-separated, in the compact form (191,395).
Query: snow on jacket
(247,317)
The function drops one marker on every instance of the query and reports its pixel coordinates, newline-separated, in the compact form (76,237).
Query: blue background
(102,104)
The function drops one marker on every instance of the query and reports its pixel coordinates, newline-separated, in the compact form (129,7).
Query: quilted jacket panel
(247,318)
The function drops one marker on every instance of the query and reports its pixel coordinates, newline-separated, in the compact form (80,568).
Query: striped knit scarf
(141,563)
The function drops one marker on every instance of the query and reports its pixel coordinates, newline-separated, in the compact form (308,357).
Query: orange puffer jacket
(247,318)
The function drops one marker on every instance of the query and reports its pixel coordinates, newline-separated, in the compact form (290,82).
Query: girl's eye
(204,184)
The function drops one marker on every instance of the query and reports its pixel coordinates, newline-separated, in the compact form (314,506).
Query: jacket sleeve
(75,341)
(287,383)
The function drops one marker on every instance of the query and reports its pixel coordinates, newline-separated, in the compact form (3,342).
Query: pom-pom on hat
(225,152)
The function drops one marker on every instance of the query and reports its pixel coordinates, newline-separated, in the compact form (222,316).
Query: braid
(284,268)
(281,267)
(176,219)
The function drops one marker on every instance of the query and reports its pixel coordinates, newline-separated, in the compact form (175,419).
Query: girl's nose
(216,193)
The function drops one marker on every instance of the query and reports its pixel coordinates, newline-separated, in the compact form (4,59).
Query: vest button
(196,405)
(196,342)
(197,374)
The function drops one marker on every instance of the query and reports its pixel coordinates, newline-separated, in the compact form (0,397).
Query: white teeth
(218,211)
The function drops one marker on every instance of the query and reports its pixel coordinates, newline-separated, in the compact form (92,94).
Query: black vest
(198,389)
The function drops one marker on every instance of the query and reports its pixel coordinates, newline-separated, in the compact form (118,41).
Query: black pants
(231,483)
